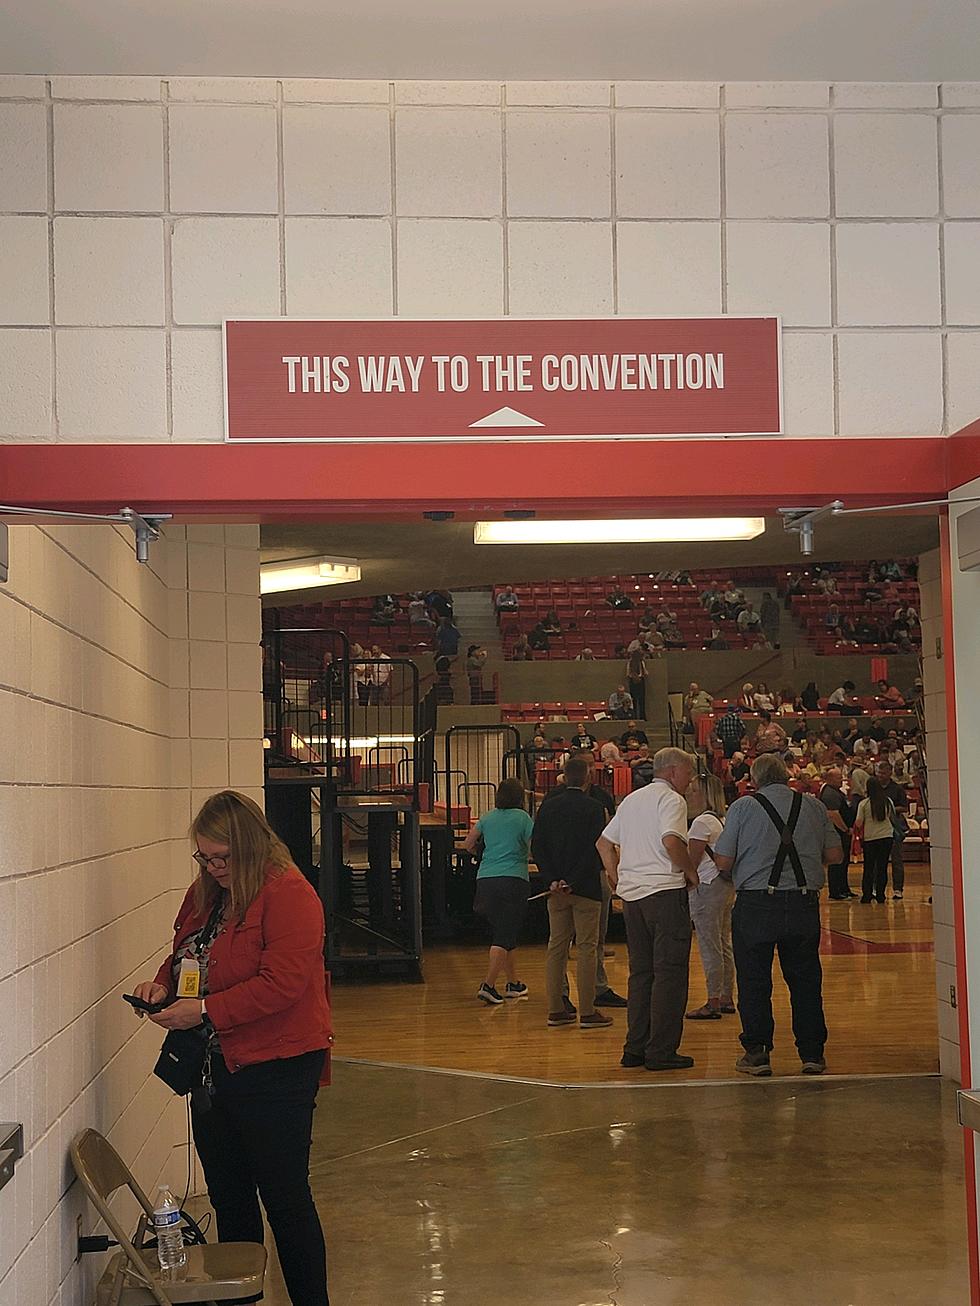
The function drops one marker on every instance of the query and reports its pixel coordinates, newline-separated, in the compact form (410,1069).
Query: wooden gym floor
(879,997)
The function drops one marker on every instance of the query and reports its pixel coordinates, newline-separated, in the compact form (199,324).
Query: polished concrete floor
(448,1190)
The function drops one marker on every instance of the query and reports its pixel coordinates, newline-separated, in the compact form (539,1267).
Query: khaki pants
(568,915)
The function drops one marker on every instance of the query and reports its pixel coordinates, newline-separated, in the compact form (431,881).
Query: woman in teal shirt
(501,885)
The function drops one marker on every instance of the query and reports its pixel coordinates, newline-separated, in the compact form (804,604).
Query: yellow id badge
(189,982)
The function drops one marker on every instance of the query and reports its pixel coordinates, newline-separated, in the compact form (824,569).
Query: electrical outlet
(78,1239)
(952,996)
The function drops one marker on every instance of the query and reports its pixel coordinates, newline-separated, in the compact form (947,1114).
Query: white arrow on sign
(506,417)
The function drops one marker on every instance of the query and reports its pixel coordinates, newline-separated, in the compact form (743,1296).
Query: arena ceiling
(402,556)
(659,40)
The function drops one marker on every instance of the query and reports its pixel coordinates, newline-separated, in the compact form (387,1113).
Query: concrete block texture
(450,268)
(962,273)
(196,392)
(560,267)
(668,165)
(886,165)
(24,271)
(225,267)
(558,164)
(780,268)
(888,274)
(23,158)
(223,158)
(961,165)
(777,165)
(338,267)
(109,271)
(112,385)
(336,159)
(890,381)
(108,158)
(808,383)
(667,268)
(963,379)
(448,162)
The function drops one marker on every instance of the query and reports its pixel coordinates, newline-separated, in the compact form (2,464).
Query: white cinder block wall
(126,694)
(940,845)
(136,212)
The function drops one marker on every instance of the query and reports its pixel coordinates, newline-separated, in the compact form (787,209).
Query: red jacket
(267,995)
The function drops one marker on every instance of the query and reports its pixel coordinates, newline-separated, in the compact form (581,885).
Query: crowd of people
(744,881)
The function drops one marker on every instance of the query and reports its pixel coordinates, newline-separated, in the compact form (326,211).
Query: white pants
(711,916)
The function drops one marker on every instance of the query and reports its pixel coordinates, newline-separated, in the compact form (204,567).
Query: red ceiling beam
(266,482)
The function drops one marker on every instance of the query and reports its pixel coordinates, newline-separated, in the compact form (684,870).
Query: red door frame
(629,478)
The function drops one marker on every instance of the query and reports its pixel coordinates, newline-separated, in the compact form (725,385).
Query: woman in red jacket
(248,943)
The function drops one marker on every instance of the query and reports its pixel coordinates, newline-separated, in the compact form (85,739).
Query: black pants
(898,867)
(255,1142)
(786,922)
(837,884)
(658,936)
(876,855)
(638,692)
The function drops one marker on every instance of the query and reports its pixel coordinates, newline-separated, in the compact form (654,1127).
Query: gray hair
(665,758)
(769,769)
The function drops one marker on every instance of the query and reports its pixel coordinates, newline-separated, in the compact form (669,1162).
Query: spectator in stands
(360,674)
(647,621)
(609,753)
(746,700)
(538,639)
(824,582)
(666,618)
(841,818)
(441,602)
(831,618)
(633,737)
(507,600)
(652,643)
(794,587)
(843,699)
(865,747)
(697,702)
(730,730)
(866,631)
(447,637)
(443,666)
(842,641)
(749,849)
(636,678)
(585,656)
(380,672)
(787,702)
(916,693)
(890,570)
(899,800)
(770,737)
(418,614)
(762,698)
(770,616)
(644,851)
(738,768)
(712,900)
(501,885)
(521,650)
(385,610)
(749,622)
(559,751)
(850,736)
(710,597)
(476,660)
(566,832)
(582,739)
(889,696)
(717,643)
(537,752)
(551,625)
(641,765)
(620,703)
(619,600)
(857,782)
(810,697)
(875,815)
(733,600)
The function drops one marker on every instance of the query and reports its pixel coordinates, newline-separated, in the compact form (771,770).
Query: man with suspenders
(775,845)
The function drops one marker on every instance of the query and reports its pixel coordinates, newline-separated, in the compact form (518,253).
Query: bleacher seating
(809,610)
(353,617)
(579,711)
(588,621)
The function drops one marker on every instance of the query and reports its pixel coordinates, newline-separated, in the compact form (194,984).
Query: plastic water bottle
(170,1238)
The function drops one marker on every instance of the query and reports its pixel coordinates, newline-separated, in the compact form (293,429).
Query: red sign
(503,378)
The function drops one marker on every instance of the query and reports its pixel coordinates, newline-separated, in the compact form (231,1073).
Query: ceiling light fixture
(619,531)
(307,573)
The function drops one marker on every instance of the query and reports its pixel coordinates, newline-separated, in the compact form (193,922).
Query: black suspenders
(786,846)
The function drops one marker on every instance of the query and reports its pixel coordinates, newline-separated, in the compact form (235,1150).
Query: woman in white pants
(711,901)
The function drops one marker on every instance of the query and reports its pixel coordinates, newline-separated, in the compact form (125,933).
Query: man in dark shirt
(730,731)
(899,797)
(841,818)
(633,737)
(641,767)
(563,846)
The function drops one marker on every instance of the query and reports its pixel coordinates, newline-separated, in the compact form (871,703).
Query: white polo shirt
(639,826)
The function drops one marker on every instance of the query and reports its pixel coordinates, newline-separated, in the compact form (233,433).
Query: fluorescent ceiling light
(307,573)
(619,531)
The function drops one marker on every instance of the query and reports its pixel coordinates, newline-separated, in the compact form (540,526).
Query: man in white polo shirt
(644,853)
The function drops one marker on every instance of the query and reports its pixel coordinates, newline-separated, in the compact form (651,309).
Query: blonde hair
(254,848)
(714,794)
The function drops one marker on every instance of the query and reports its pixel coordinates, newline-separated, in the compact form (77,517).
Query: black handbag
(181,1061)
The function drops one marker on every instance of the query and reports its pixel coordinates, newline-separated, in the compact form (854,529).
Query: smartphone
(151,1007)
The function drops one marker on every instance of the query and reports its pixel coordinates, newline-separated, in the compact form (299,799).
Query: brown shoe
(557,1018)
(596,1021)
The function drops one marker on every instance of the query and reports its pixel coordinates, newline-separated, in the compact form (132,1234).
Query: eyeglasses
(206,863)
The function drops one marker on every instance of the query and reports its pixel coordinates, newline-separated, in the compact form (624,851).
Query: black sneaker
(610,998)
(814,1066)
(517,991)
(631,1061)
(754,1063)
(568,1006)
(673,1062)
(488,994)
